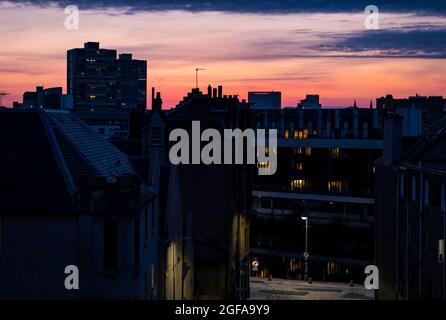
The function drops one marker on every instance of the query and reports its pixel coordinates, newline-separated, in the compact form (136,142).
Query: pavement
(282,289)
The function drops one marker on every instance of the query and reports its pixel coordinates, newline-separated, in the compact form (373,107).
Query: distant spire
(354,105)
(371,104)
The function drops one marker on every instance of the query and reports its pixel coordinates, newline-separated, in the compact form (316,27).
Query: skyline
(243,51)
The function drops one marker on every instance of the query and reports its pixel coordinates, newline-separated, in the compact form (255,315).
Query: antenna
(196,76)
(3,94)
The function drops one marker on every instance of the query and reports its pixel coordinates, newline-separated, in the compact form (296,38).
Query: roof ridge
(60,159)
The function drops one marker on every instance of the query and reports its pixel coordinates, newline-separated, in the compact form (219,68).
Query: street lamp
(306,254)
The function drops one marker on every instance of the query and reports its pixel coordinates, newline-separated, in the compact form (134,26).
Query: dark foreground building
(410,214)
(204,224)
(69,197)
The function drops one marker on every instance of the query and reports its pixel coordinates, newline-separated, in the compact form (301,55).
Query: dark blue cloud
(392,43)
(437,7)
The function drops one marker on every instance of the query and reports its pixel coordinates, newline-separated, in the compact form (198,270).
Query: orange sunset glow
(293,53)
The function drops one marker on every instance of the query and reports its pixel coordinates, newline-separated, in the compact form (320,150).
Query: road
(281,289)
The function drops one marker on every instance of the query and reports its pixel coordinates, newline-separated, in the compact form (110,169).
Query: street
(281,289)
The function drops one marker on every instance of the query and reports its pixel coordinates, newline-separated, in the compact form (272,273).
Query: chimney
(393,134)
(210,91)
(220,91)
(157,102)
(214,94)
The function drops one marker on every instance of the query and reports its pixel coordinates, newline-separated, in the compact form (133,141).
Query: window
(286,134)
(146,225)
(441,251)
(146,286)
(414,188)
(337,186)
(299,166)
(335,153)
(298,184)
(308,151)
(156,135)
(0,236)
(136,245)
(402,184)
(443,204)
(110,245)
(267,203)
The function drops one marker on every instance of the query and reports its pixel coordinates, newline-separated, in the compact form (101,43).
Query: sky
(296,47)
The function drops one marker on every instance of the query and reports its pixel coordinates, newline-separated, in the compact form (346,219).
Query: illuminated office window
(286,134)
(298,184)
(335,153)
(337,186)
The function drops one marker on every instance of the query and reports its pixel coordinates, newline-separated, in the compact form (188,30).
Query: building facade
(70,198)
(410,214)
(100,81)
(326,172)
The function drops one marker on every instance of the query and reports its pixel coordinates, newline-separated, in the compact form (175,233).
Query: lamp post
(306,254)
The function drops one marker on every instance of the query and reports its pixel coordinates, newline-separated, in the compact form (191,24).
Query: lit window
(308,151)
(298,184)
(299,166)
(335,153)
(286,134)
(296,134)
(337,186)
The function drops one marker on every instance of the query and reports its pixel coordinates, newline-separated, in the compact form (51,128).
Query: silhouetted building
(265,99)
(99,81)
(419,112)
(69,197)
(131,82)
(106,123)
(310,102)
(206,213)
(410,213)
(50,98)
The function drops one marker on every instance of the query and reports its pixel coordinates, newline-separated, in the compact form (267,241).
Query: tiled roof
(43,153)
(102,157)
